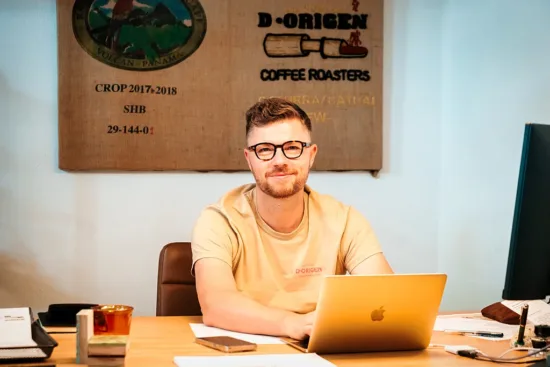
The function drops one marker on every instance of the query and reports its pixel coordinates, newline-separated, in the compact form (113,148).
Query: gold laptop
(374,313)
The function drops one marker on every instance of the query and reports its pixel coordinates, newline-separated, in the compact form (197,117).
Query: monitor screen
(528,268)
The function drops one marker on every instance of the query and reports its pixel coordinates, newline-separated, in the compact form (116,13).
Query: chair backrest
(176,290)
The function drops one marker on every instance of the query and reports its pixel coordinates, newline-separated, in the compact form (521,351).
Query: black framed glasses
(291,149)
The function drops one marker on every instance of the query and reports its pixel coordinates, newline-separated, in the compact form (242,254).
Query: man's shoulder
(334,211)
(226,215)
(326,202)
(233,202)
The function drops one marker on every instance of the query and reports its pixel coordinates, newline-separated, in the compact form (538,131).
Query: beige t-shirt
(283,270)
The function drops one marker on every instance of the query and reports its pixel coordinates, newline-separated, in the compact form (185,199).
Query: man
(260,252)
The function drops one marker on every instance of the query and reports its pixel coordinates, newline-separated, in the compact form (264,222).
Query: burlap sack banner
(164,84)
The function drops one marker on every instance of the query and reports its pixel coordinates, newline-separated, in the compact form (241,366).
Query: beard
(281,188)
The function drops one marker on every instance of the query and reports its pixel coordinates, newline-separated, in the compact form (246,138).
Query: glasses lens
(265,151)
(293,149)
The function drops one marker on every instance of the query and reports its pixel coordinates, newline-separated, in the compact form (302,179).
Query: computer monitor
(528,269)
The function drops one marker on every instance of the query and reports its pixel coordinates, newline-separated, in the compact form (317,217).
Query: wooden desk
(156,340)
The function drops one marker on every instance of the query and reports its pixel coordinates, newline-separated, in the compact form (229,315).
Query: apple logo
(378,314)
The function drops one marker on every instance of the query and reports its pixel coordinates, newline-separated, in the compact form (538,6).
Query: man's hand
(299,326)
(223,306)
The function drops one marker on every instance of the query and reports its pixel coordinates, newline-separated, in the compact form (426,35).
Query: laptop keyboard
(303,343)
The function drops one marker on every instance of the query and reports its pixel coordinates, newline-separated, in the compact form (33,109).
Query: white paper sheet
(538,313)
(472,325)
(201,330)
(15,331)
(257,360)
(15,327)
(21,353)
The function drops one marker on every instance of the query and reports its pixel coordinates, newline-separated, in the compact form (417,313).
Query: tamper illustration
(301,45)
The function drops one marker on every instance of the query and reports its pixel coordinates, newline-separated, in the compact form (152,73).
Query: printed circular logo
(139,35)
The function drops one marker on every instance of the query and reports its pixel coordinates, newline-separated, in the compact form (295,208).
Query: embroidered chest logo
(309,270)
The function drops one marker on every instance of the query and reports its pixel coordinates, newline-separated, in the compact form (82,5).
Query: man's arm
(222,304)
(225,307)
(363,253)
(376,264)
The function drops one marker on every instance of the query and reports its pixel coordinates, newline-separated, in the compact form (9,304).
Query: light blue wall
(461,78)
(495,78)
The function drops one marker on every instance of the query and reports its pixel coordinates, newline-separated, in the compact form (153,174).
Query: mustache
(280,170)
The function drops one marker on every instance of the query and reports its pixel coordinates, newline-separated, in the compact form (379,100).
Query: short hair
(274,109)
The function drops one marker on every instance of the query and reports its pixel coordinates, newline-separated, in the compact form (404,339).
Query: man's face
(281,177)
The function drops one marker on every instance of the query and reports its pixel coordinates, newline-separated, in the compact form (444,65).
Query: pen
(522,323)
(489,334)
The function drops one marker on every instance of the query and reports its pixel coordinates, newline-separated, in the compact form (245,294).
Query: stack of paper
(15,327)
(266,360)
(16,332)
(465,324)
(538,312)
